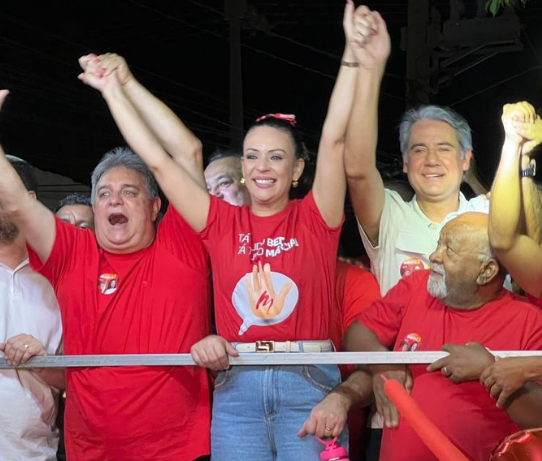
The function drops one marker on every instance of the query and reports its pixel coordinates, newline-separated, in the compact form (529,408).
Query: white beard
(436,284)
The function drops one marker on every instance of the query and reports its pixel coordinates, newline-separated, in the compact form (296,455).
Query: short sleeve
(69,241)
(220,214)
(317,222)
(176,235)
(385,316)
(360,291)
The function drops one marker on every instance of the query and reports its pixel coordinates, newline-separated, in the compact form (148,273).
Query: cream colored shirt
(28,406)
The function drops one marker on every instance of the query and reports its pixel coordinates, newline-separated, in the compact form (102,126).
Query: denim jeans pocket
(322,377)
(222,378)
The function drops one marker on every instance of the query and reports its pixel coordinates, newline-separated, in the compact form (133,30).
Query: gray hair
(124,157)
(439,113)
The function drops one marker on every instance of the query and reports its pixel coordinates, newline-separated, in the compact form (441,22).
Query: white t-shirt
(407,237)
(28,406)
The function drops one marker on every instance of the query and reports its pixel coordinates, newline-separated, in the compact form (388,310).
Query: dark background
(180,50)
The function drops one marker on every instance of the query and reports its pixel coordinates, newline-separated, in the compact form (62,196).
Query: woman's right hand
(212,352)
(369,38)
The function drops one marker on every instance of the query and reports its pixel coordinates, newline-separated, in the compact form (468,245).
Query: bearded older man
(460,300)
(130,288)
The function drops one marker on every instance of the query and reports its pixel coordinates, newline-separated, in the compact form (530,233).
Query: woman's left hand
(21,348)
(328,418)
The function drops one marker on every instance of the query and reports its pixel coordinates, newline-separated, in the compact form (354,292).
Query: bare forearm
(359,338)
(532,207)
(133,128)
(362,133)
(364,180)
(32,218)
(13,194)
(55,377)
(171,132)
(329,186)
(357,390)
(186,194)
(505,207)
(341,101)
(525,406)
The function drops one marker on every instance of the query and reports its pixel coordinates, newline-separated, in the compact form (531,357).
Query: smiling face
(223,178)
(78,215)
(269,167)
(434,166)
(123,213)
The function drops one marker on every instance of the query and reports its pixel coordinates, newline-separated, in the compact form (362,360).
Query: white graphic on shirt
(264,298)
(108,283)
(269,247)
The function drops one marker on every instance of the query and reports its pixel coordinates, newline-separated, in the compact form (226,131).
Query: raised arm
(520,254)
(171,132)
(329,186)
(371,48)
(186,194)
(31,217)
(532,198)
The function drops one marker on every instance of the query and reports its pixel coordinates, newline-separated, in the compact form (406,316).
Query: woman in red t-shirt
(273,267)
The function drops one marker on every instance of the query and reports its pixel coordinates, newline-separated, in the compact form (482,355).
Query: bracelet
(349,63)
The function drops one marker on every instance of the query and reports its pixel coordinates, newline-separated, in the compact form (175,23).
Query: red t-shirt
(355,290)
(290,298)
(153,301)
(408,318)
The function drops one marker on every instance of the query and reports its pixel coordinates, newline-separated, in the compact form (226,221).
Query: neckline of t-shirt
(126,256)
(274,217)
(494,303)
(463,204)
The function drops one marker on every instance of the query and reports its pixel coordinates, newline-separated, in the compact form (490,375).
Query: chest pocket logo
(108,283)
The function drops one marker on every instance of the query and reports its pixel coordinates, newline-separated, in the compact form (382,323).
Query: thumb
(231,350)
(84,60)
(348,19)
(2,347)
(308,427)
(380,22)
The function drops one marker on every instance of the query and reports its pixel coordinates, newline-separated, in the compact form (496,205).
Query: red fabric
(161,305)
(301,251)
(465,412)
(355,290)
(534,300)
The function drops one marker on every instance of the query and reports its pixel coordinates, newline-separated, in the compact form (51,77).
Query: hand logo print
(263,297)
(264,301)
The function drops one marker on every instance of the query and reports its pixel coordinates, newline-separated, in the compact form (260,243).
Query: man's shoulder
(479,203)
(413,285)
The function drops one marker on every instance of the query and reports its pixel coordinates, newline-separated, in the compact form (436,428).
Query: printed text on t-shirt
(268,247)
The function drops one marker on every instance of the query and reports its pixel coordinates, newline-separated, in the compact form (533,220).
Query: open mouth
(264,182)
(117,219)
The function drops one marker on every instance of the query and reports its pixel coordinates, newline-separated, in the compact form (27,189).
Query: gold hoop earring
(295,183)
(242,180)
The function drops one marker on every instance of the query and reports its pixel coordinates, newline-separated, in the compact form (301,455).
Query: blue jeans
(258,410)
